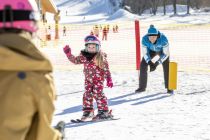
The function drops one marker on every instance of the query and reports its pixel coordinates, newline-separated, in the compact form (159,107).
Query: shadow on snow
(119,100)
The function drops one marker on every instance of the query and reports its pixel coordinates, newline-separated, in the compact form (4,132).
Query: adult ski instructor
(26,86)
(155,49)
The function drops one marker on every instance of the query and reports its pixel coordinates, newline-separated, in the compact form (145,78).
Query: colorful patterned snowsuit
(94,80)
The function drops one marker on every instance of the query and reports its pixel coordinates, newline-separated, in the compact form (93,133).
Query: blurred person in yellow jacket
(26,84)
(96,31)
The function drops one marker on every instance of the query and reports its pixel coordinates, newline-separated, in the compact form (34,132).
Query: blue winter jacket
(161,46)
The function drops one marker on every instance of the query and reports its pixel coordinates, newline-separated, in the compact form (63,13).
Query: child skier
(96,70)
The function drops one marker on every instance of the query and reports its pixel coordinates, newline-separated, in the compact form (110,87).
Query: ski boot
(103,115)
(87,114)
(170,91)
(140,90)
(60,127)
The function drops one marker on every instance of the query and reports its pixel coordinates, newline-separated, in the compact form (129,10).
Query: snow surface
(151,115)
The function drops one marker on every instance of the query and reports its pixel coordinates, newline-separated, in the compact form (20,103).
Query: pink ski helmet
(91,39)
(19,14)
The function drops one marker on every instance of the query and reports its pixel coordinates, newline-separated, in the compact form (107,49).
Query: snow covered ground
(151,115)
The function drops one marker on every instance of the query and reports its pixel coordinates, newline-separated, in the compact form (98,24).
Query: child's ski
(99,120)
(110,118)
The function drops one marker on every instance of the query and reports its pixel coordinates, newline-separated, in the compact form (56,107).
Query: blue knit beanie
(152,31)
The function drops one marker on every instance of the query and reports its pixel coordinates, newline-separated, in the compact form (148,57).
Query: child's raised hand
(67,50)
(109,82)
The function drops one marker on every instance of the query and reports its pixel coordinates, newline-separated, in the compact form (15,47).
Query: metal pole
(39,5)
(40,8)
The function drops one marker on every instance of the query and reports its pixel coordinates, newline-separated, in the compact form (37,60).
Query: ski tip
(110,111)
(76,120)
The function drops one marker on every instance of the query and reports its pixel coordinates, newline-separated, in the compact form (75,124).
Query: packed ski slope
(151,115)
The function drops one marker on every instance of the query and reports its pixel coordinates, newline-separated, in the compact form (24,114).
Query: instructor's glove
(67,50)
(150,63)
(109,82)
(153,66)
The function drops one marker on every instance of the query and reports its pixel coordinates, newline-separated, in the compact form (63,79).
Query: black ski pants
(144,72)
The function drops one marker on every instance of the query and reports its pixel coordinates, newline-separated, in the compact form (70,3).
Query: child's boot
(87,114)
(103,114)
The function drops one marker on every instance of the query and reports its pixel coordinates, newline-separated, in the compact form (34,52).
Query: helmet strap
(8,15)
(97,48)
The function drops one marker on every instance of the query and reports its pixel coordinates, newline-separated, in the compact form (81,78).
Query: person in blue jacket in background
(155,49)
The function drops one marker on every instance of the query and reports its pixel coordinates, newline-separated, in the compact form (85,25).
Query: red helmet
(19,14)
(91,39)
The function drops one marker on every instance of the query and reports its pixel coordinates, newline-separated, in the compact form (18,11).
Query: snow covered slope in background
(88,11)
(103,11)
